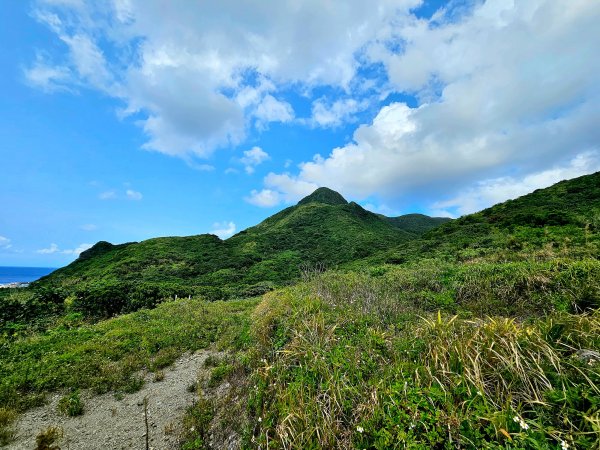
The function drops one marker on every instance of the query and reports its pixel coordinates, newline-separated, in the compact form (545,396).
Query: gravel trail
(109,423)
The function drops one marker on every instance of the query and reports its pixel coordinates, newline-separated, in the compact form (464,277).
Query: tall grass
(405,358)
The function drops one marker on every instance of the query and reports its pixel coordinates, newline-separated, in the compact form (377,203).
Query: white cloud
(113,194)
(504,88)
(133,195)
(337,113)
(197,72)
(76,251)
(223,229)
(381,209)
(281,188)
(89,227)
(5,243)
(50,250)
(55,249)
(252,158)
(88,60)
(508,90)
(48,78)
(265,198)
(496,190)
(272,110)
(107,195)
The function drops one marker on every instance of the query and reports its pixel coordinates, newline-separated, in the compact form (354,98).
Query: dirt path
(109,423)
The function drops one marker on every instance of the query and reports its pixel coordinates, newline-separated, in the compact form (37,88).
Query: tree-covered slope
(416,223)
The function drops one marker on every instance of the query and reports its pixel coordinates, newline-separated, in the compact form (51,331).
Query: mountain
(565,217)
(324,195)
(322,229)
(416,223)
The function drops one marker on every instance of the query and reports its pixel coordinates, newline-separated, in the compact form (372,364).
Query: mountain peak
(324,195)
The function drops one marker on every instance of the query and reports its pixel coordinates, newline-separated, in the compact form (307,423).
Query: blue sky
(123,120)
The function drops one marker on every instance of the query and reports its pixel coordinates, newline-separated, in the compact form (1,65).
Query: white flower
(521,423)
(564,445)
(260,419)
(360,429)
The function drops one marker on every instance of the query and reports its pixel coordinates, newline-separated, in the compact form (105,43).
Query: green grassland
(482,332)
(435,356)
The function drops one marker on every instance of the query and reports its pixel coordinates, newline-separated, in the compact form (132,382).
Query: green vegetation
(358,361)
(47,439)
(562,220)
(482,332)
(71,404)
(107,356)
(112,279)
(7,417)
(416,223)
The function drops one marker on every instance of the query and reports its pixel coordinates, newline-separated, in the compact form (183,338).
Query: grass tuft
(71,405)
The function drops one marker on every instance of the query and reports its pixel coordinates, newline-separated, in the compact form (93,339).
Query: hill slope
(564,217)
(322,228)
(416,223)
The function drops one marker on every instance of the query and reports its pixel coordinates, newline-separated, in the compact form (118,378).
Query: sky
(123,120)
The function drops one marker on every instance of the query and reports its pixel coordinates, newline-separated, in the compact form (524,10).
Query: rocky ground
(112,423)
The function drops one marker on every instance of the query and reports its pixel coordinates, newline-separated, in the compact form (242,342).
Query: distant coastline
(21,276)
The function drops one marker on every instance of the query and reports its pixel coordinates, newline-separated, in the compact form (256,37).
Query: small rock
(588,356)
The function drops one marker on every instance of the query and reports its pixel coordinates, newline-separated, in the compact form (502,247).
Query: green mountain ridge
(563,216)
(416,223)
(322,228)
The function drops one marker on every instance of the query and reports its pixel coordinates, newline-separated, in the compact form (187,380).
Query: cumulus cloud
(265,198)
(280,188)
(223,229)
(503,88)
(196,73)
(5,243)
(509,89)
(272,110)
(381,209)
(331,115)
(252,158)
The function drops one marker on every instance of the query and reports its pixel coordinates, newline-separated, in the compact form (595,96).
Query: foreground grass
(366,361)
(430,355)
(108,355)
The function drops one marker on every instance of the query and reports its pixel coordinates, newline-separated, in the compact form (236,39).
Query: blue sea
(22,274)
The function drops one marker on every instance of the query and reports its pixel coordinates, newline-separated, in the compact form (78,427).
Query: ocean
(22,274)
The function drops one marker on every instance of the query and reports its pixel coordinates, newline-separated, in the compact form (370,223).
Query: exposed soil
(110,423)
